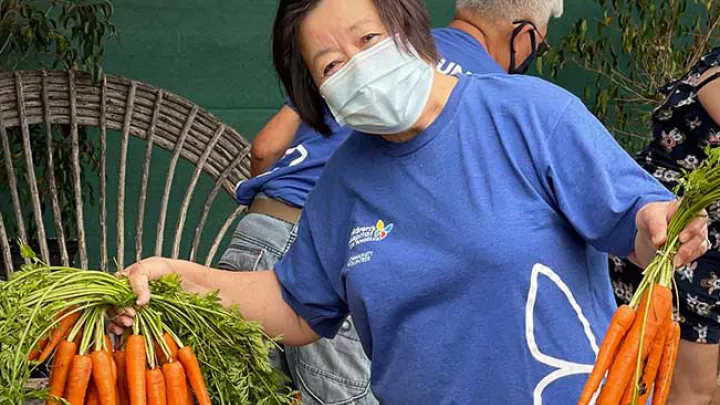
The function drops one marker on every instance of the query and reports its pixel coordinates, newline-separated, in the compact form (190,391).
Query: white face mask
(382,90)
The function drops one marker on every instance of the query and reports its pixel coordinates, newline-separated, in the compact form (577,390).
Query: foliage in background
(64,34)
(67,33)
(62,153)
(634,49)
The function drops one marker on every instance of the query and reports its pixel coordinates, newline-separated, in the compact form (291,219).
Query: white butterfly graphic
(563,368)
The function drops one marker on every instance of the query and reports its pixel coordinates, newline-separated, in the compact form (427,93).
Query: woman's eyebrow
(322,52)
(358,24)
(353,28)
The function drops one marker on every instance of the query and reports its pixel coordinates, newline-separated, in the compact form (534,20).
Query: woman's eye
(369,37)
(330,68)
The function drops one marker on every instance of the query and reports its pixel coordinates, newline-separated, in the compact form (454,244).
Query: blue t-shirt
(469,257)
(291,178)
(460,52)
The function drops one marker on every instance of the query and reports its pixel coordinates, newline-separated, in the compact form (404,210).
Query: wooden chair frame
(133,109)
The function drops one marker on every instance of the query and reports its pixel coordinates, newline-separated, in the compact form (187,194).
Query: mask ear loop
(533,43)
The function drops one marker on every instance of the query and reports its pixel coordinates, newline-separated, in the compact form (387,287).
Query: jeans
(327,372)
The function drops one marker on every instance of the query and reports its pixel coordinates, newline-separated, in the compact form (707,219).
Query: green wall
(216,53)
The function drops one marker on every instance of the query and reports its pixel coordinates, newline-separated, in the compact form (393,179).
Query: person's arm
(709,95)
(258,295)
(274,139)
(610,201)
(300,299)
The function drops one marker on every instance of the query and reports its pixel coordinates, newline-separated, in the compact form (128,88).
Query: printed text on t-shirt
(365,234)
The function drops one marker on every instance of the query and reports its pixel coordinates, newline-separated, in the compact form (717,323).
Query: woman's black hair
(408,19)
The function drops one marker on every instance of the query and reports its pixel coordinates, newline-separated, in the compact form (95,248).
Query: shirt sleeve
(595,183)
(306,285)
(290,104)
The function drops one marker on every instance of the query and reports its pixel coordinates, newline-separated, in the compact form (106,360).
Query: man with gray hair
(512,31)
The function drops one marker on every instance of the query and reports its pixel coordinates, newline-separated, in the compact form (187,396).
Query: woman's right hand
(139,274)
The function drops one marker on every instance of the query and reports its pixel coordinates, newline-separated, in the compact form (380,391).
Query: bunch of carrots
(183,348)
(149,367)
(640,348)
(637,357)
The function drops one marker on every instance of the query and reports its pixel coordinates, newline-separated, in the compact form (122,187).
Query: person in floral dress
(683,126)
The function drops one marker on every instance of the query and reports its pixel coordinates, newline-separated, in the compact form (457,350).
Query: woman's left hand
(652,223)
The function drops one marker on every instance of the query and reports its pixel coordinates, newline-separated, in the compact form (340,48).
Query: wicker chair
(129,108)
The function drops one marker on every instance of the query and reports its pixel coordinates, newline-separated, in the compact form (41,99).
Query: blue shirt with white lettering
(461,53)
(469,257)
(292,177)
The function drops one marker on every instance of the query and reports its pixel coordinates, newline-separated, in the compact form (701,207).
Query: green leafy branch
(66,34)
(637,46)
(69,32)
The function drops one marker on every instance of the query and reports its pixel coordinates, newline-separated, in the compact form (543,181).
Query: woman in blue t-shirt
(287,159)
(456,224)
(286,162)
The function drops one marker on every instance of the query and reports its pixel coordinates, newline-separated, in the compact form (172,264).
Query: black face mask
(525,65)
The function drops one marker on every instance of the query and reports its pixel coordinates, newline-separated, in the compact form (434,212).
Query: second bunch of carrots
(150,368)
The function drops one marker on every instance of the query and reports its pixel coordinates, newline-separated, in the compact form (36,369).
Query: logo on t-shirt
(561,368)
(298,154)
(365,234)
(450,68)
(372,233)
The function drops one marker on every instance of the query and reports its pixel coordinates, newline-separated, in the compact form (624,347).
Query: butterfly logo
(561,367)
(382,230)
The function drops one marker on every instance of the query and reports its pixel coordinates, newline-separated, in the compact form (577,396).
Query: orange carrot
(60,367)
(667,365)
(122,388)
(110,349)
(194,374)
(171,345)
(156,387)
(35,353)
(79,338)
(175,383)
(78,379)
(108,344)
(647,379)
(619,325)
(161,358)
(135,369)
(624,364)
(93,397)
(103,376)
(62,328)
(113,365)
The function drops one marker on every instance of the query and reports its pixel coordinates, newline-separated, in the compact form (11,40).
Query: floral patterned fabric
(681,131)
